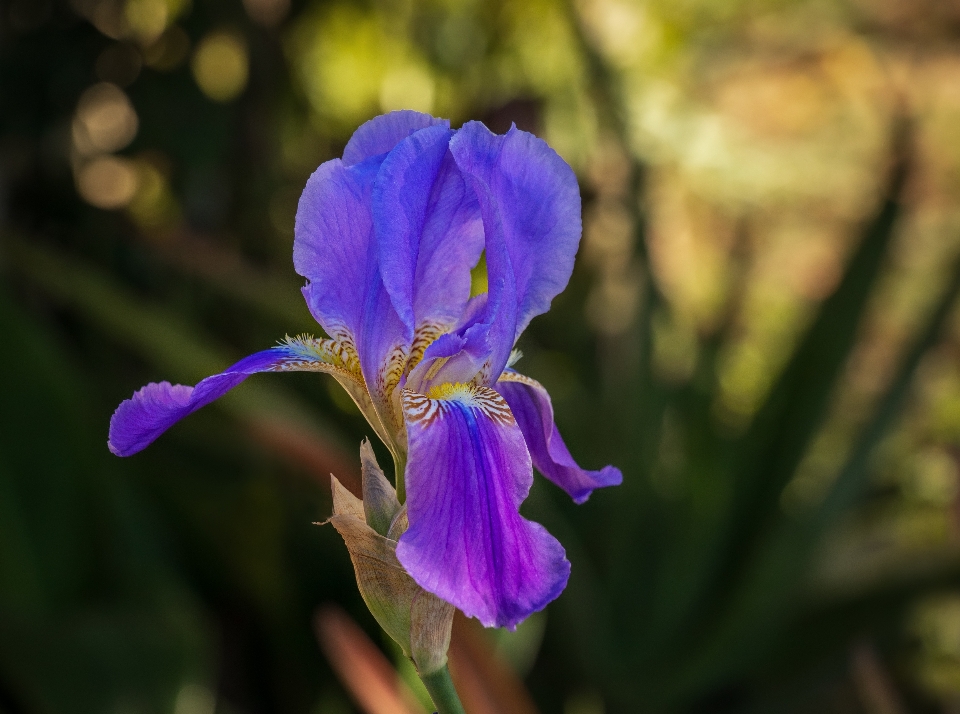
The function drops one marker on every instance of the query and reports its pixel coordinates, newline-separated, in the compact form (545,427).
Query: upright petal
(156,407)
(334,246)
(428,228)
(383,345)
(531,406)
(382,133)
(336,251)
(532,193)
(492,322)
(467,473)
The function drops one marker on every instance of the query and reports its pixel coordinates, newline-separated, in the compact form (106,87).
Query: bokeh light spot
(221,66)
(105,120)
(147,18)
(478,277)
(194,699)
(407,88)
(934,478)
(153,205)
(107,182)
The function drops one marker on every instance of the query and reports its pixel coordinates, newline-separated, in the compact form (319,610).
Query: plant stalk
(442,692)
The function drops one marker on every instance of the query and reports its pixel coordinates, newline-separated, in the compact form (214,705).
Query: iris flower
(386,238)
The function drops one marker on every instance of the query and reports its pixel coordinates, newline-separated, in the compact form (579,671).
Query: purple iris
(386,238)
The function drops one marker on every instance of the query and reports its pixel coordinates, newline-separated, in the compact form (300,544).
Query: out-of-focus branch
(229,273)
(362,668)
(485,683)
(608,99)
(278,420)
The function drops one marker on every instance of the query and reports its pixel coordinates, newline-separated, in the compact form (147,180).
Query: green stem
(441,690)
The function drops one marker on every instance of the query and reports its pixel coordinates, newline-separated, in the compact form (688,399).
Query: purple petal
(531,194)
(452,359)
(336,251)
(531,406)
(467,473)
(383,346)
(138,422)
(334,246)
(382,133)
(476,152)
(428,228)
(152,410)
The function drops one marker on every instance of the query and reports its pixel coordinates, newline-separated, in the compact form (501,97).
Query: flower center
(455,391)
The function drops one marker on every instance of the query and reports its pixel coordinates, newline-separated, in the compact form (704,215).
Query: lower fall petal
(531,406)
(140,420)
(468,471)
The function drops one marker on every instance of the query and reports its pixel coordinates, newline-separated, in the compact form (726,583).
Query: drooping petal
(335,249)
(531,406)
(428,228)
(382,133)
(531,194)
(468,471)
(152,410)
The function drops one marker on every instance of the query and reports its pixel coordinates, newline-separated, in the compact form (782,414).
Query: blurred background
(760,332)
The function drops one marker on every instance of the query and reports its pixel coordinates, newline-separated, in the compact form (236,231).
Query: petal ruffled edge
(380,134)
(467,473)
(531,406)
(140,420)
(530,196)
(429,229)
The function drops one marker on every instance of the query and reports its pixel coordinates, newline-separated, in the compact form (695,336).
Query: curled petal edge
(530,404)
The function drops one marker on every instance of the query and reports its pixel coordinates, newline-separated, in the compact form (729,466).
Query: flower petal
(152,410)
(475,150)
(451,358)
(382,133)
(529,193)
(336,251)
(467,473)
(383,346)
(334,246)
(531,406)
(428,228)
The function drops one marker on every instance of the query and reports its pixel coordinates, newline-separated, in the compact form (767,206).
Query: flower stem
(441,690)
